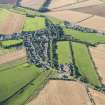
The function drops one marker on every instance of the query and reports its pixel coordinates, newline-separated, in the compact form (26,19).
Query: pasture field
(64,92)
(35,4)
(98,55)
(16,22)
(11,43)
(18,77)
(85,64)
(32,24)
(64,52)
(69,15)
(86,37)
(95,22)
(98,97)
(17,54)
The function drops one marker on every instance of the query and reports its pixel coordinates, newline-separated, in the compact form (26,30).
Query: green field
(64,52)
(20,74)
(18,77)
(87,37)
(32,24)
(84,63)
(31,90)
(11,43)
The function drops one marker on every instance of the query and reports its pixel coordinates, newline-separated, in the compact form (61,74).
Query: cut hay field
(12,56)
(86,37)
(98,97)
(35,4)
(84,63)
(8,1)
(32,24)
(95,22)
(62,93)
(64,52)
(98,54)
(12,24)
(68,15)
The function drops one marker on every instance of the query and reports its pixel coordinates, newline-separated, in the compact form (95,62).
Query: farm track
(98,54)
(62,93)
(12,56)
(13,24)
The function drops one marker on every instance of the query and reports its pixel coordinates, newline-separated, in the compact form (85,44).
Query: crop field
(8,1)
(64,92)
(95,22)
(72,4)
(32,24)
(35,4)
(94,10)
(86,37)
(71,16)
(12,56)
(3,15)
(99,59)
(16,22)
(64,53)
(55,4)
(98,97)
(84,63)
(86,3)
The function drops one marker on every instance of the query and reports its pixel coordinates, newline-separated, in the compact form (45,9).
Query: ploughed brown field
(98,54)
(98,97)
(12,56)
(35,4)
(8,1)
(13,24)
(59,92)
